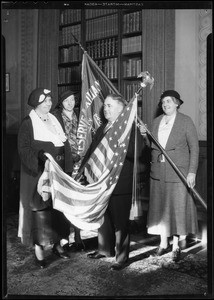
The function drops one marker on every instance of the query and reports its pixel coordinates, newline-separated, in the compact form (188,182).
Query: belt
(60,157)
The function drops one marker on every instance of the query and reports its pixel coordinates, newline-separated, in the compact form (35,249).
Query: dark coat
(31,170)
(29,148)
(69,162)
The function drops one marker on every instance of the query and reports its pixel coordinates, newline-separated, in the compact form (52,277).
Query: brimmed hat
(37,96)
(65,95)
(170,93)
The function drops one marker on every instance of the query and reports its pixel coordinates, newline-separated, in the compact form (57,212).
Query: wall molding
(205,28)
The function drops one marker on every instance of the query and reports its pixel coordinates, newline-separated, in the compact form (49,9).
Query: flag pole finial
(146,79)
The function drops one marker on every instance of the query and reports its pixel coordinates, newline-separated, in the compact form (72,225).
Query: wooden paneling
(12,165)
(201,179)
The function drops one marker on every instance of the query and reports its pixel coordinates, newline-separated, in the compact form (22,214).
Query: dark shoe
(95,255)
(161,251)
(176,255)
(79,246)
(40,263)
(117,266)
(62,254)
(66,247)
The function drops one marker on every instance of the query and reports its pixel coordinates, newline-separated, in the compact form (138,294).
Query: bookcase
(70,54)
(97,31)
(101,38)
(131,52)
(113,39)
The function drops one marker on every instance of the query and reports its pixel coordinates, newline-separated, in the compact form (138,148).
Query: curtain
(158,47)
(28,45)
(47,73)
(39,53)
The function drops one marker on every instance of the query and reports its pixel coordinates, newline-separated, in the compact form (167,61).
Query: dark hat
(170,93)
(37,96)
(65,95)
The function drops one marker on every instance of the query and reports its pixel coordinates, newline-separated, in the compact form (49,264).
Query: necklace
(42,118)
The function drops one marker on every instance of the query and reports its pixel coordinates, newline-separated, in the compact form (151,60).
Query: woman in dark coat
(68,118)
(40,132)
(172,211)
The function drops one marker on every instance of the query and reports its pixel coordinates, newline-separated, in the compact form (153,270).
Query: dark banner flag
(95,87)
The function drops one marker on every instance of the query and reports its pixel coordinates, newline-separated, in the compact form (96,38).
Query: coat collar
(173,134)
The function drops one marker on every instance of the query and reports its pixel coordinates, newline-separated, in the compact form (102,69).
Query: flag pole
(146,79)
(178,171)
(78,42)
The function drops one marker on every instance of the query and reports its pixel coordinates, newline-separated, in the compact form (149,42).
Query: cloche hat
(65,95)
(170,93)
(37,96)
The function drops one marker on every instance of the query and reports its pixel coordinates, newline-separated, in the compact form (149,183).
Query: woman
(172,211)
(67,116)
(40,132)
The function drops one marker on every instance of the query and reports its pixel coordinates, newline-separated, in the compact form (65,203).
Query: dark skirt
(49,227)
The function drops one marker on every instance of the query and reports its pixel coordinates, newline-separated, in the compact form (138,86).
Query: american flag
(109,156)
(84,206)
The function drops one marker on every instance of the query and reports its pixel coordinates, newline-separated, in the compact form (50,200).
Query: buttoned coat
(172,210)
(182,147)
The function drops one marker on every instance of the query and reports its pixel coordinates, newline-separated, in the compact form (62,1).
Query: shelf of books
(102,40)
(112,38)
(70,54)
(131,52)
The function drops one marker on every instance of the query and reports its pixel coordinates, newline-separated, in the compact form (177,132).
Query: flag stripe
(99,161)
(90,213)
